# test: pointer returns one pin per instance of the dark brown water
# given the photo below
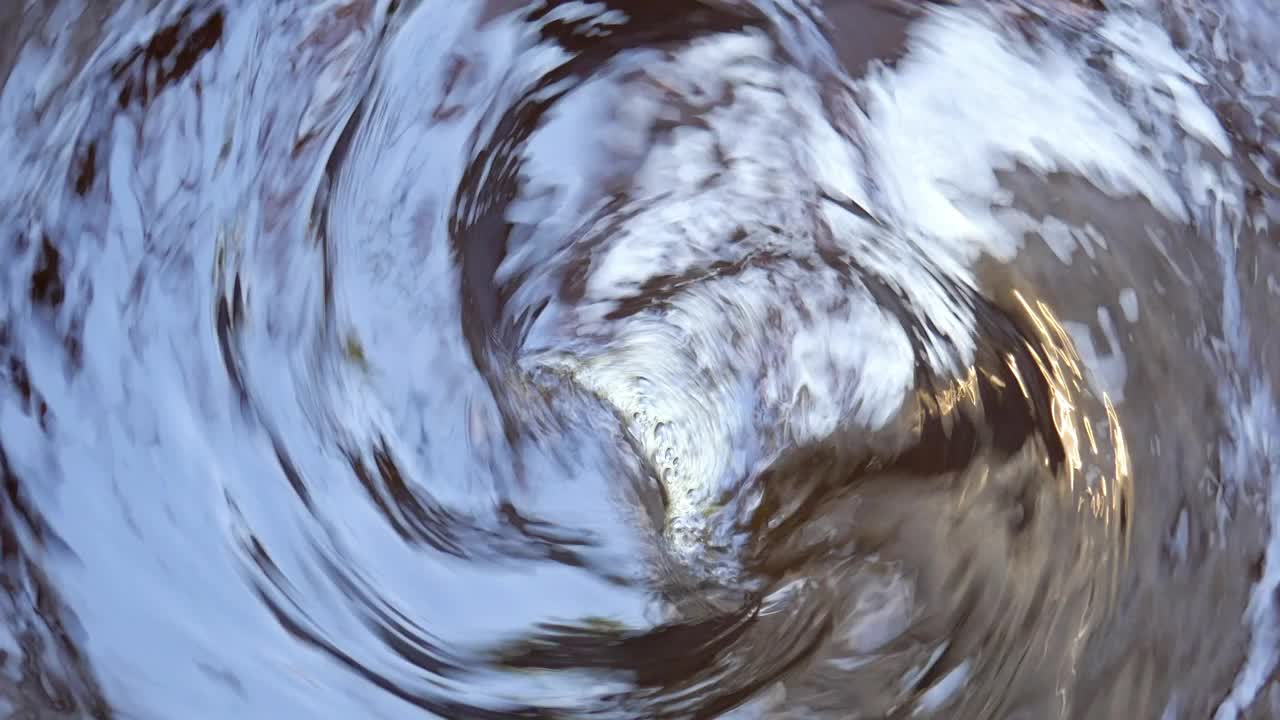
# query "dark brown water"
(737, 359)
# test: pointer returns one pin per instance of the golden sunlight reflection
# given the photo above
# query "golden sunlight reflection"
(1101, 473)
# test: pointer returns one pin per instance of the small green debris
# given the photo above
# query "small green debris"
(355, 352)
(602, 624)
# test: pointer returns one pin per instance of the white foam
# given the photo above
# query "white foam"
(944, 690)
(966, 102)
(1253, 423)
(1150, 59)
(870, 346)
(676, 374)
(1107, 370)
(1129, 304)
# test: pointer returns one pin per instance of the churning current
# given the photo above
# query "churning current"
(631, 359)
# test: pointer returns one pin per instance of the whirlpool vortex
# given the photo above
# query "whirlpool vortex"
(732, 358)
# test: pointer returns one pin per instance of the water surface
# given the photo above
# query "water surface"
(622, 359)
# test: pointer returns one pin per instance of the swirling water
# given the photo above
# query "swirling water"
(363, 358)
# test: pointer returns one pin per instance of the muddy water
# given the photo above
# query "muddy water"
(736, 359)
